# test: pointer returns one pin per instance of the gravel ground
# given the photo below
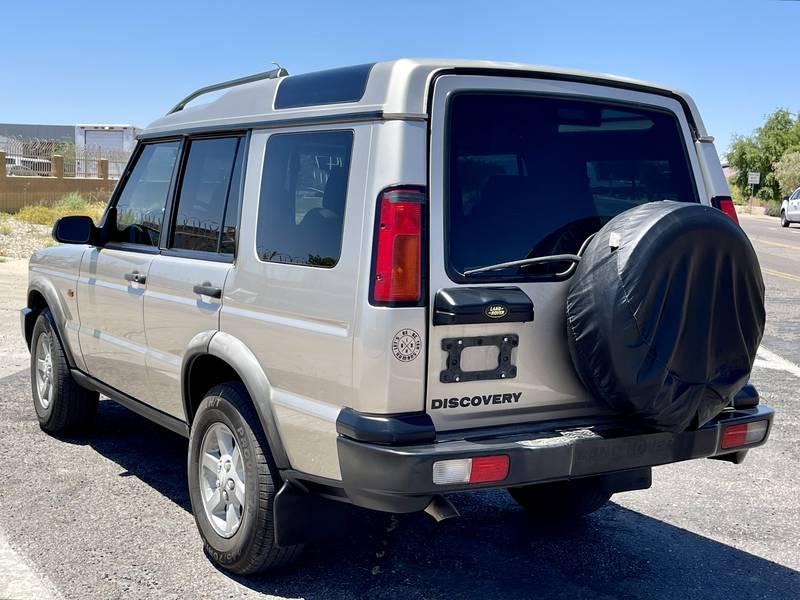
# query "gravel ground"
(19, 239)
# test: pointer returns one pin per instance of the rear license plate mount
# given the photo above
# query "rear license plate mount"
(505, 369)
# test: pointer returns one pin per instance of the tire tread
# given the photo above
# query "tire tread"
(73, 407)
(263, 555)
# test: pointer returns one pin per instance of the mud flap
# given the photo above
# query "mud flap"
(301, 517)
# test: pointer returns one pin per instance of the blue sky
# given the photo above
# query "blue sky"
(128, 62)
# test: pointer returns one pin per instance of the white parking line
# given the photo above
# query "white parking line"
(18, 580)
(767, 359)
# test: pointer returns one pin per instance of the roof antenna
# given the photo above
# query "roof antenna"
(282, 72)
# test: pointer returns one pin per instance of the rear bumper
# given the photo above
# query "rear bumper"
(397, 478)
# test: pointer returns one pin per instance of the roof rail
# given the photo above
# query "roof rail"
(273, 74)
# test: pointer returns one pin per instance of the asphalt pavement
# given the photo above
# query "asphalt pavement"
(107, 515)
(778, 250)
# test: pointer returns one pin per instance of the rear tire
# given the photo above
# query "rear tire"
(233, 498)
(784, 221)
(62, 406)
(562, 500)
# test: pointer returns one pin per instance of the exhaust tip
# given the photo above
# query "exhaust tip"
(441, 509)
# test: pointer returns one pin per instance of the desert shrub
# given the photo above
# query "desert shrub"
(71, 201)
(772, 209)
(37, 214)
(787, 171)
(736, 193)
(69, 204)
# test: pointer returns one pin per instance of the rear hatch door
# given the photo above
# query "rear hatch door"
(523, 168)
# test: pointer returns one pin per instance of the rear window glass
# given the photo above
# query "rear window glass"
(303, 197)
(532, 176)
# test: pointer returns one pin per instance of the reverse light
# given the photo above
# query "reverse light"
(743, 434)
(397, 276)
(725, 204)
(479, 469)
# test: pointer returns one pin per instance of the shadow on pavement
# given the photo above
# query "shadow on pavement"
(492, 551)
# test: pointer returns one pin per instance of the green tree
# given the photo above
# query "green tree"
(787, 172)
(760, 151)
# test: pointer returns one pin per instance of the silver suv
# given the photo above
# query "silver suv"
(384, 283)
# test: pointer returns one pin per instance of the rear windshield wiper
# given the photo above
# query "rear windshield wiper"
(573, 259)
(554, 258)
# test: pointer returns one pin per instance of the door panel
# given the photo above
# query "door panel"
(184, 292)
(113, 278)
(112, 326)
(173, 314)
(532, 177)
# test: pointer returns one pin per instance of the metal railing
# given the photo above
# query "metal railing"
(31, 157)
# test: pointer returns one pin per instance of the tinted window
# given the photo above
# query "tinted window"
(533, 176)
(207, 182)
(346, 84)
(140, 207)
(303, 191)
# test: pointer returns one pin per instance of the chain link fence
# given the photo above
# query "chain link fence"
(30, 157)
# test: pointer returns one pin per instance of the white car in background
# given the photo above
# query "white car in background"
(790, 209)
(25, 166)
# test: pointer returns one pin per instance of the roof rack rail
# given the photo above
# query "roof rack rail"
(273, 74)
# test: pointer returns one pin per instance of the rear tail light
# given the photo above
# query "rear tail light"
(725, 204)
(743, 434)
(479, 469)
(397, 271)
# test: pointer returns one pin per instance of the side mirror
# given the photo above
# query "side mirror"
(76, 229)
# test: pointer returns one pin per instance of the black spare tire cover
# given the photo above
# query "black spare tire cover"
(665, 313)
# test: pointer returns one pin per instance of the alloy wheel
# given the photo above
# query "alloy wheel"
(222, 480)
(44, 369)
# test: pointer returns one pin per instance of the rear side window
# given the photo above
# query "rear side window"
(303, 192)
(530, 176)
(141, 203)
(207, 205)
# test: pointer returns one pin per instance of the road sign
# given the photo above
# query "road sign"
(753, 178)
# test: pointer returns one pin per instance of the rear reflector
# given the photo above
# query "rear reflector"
(725, 204)
(489, 468)
(743, 434)
(479, 469)
(398, 249)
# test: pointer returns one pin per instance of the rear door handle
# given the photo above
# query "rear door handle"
(136, 277)
(206, 289)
